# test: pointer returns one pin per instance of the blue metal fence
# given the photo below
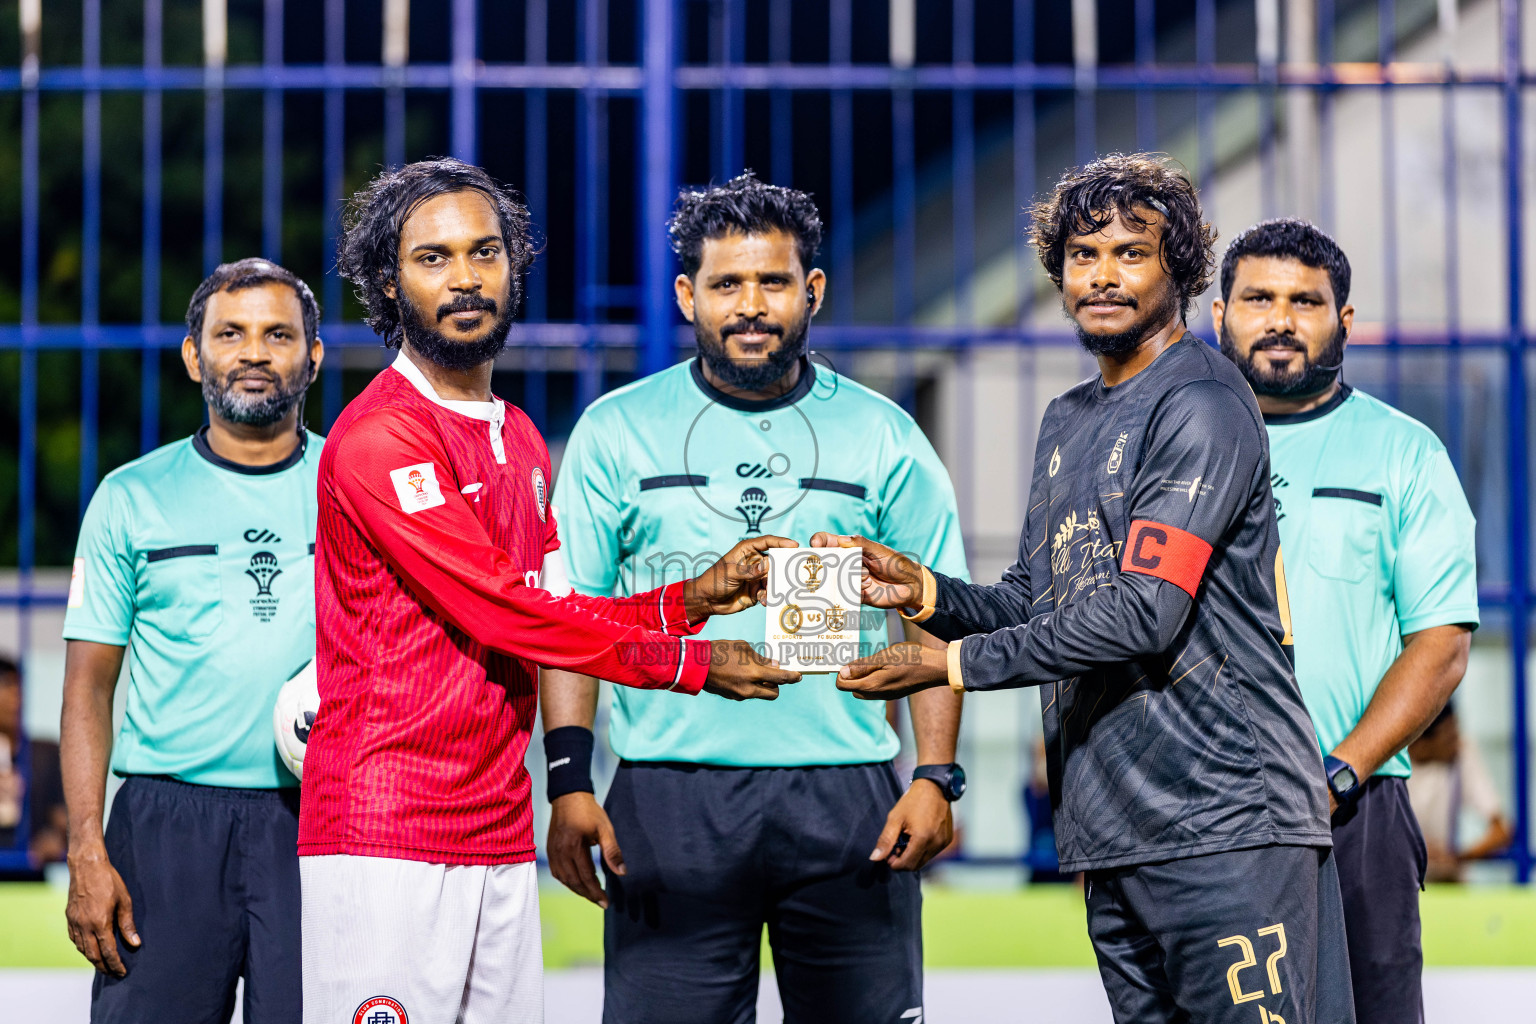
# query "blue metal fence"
(687, 49)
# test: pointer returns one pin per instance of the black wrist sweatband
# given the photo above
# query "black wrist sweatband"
(568, 752)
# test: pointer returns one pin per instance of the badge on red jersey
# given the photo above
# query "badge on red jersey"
(380, 1010)
(541, 493)
(416, 487)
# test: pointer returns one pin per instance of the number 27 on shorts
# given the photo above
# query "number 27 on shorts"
(1250, 959)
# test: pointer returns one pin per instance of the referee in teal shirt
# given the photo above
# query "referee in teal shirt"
(724, 817)
(1379, 555)
(196, 562)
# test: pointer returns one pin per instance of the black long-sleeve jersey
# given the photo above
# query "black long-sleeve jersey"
(1149, 600)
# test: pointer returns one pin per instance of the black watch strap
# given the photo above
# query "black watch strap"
(950, 778)
(1343, 781)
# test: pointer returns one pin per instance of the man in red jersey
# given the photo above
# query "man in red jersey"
(438, 591)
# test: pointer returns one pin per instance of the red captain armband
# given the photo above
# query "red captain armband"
(1167, 552)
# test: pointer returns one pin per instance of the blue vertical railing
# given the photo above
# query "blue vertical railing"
(333, 163)
(149, 253)
(90, 255)
(1519, 439)
(658, 114)
(272, 136)
(840, 49)
(1058, 111)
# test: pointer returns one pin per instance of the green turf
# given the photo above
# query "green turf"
(1040, 927)
(32, 927)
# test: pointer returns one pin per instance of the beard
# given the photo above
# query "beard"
(235, 406)
(1124, 342)
(753, 374)
(439, 347)
(1313, 378)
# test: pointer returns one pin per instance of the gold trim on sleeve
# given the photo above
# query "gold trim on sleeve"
(930, 595)
(952, 656)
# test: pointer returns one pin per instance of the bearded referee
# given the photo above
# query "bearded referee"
(196, 562)
(439, 590)
(725, 818)
(1383, 580)
(1148, 604)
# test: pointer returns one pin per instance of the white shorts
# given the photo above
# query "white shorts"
(389, 941)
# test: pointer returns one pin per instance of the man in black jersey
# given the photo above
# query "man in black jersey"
(1148, 603)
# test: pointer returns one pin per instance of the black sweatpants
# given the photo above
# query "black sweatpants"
(1242, 937)
(214, 878)
(714, 854)
(1381, 858)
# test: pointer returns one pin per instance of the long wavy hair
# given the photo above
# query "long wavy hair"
(1088, 198)
(369, 254)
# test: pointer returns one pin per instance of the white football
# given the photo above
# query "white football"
(292, 716)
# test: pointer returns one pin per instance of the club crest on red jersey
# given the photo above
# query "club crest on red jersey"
(380, 1010)
(541, 493)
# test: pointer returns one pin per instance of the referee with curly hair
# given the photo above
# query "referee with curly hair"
(724, 819)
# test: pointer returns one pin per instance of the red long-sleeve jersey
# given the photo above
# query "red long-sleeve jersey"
(434, 526)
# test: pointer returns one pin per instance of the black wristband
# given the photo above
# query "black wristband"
(568, 752)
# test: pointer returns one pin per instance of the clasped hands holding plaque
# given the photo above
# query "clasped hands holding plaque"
(814, 597)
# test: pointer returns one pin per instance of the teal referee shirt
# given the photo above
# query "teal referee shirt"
(1378, 543)
(663, 476)
(205, 570)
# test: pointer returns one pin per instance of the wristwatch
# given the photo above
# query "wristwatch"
(1342, 780)
(950, 778)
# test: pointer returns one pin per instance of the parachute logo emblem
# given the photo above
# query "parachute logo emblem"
(754, 505)
(263, 570)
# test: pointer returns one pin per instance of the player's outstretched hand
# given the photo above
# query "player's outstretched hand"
(734, 583)
(99, 906)
(896, 671)
(891, 579)
(577, 822)
(738, 672)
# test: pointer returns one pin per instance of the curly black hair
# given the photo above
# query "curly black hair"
(746, 205)
(369, 253)
(250, 273)
(1088, 198)
(1289, 238)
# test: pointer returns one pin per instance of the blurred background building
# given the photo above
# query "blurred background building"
(148, 140)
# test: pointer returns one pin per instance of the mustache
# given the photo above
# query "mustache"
(750, 327)
(250, 373)
(467, 304)
(1110, 296)
(1284, 341)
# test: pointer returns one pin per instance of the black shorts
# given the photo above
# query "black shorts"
(712, 855)
(214, 878)
(1244, 937)
(1381, 857)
